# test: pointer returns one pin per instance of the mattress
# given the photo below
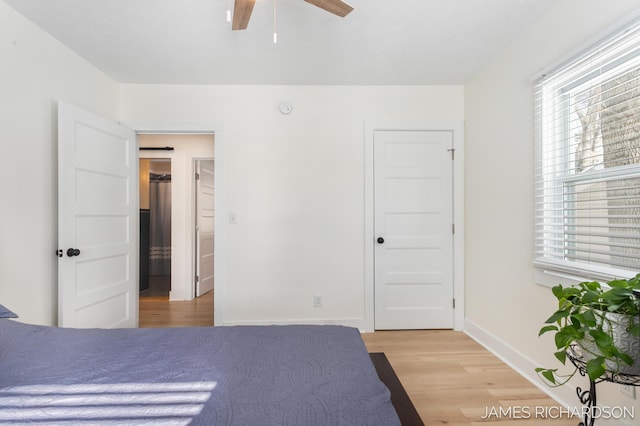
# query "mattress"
(241, 375)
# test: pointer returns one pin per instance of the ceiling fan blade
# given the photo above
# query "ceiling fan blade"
(337, 7)
(241, 13)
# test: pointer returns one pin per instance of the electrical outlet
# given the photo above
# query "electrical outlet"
(317, 301)
(233, 218)
(628, 390)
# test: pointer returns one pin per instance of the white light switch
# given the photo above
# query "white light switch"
(233, 218)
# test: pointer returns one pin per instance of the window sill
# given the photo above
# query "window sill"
(549, 274)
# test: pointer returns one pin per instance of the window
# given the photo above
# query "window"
(587, 177)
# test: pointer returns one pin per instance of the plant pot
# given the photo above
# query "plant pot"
(618, 325)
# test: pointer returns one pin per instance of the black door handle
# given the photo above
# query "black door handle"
(73, 252)
(380, 240)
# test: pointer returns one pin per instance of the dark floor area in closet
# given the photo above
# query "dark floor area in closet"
(159, 286)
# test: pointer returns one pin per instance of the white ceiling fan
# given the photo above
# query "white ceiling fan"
(242, 10)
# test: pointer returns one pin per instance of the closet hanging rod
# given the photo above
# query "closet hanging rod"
(153, 148)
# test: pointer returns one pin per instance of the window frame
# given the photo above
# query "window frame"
(556, 187)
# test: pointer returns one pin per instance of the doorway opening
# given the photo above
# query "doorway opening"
(179, 261)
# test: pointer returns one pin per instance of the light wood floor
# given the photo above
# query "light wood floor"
(450, 378)
(453, 380)
(157, 312)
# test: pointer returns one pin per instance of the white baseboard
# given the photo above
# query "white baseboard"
(565, 396)
(347, 322)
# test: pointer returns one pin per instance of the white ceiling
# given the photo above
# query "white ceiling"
(380, 42)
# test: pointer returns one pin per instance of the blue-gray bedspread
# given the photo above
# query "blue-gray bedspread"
(264, 375)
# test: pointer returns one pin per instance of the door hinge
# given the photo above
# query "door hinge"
(454, 303)
(197, 279)
(453, 228)
(197, 176)
(453, 153)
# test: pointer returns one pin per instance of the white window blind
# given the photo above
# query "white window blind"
(587, 167)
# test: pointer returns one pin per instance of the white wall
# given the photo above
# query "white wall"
(36, 72)
(504, 307)
(296, 184)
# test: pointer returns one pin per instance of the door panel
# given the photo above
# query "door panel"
(204, 226)
(413, 203)
(98, 215)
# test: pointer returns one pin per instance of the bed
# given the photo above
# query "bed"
(237, 375)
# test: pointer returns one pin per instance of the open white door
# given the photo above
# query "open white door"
(413, 206)
(204, 226)
(97, 221)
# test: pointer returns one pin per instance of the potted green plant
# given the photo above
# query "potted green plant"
(600, 323)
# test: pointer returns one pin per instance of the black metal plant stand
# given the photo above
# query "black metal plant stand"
(588, 397)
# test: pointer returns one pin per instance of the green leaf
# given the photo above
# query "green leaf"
(571, 292)
(591, 285)
(557, 291)
(590, 297)
(588, 318)
(634, 282)
(595, 368)
(548, 374)
(602, 339)
(614, 307)
(617, 283)
(546, 329)
(622, 357)
(621, 300)
(557, 315)
(567, 335)
(561, 356)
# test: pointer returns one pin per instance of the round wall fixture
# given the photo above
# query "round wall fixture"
(285, 107)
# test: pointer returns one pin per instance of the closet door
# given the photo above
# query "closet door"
(413, 191)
